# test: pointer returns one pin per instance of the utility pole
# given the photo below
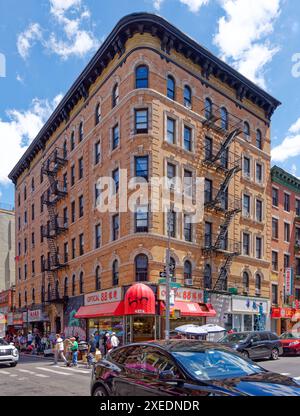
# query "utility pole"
(168, 291)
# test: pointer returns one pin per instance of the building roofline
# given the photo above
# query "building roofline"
(170, 38)
(285, 178)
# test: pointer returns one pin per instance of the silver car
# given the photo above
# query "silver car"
(8, 353)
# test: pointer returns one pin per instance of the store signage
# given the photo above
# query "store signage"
(18, 319)
(250, 305)
(288, 280)
(286, 313)
(104, 296)
(10, 318)
(183, 294)
(35, 316)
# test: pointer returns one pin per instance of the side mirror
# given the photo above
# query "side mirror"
(166, 375)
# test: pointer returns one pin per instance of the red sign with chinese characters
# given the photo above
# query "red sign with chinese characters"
(183, 294)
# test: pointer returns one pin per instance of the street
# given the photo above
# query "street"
(39, 377)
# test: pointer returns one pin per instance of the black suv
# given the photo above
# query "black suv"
(255, 345)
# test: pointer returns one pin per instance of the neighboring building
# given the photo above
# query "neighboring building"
(156, 103)
(285, 276)
(7, 247)
(6, 310)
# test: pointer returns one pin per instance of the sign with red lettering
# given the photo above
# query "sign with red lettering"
(183, 294)
(104, 296)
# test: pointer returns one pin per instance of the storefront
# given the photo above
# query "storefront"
(287, 317)
(36, 321)
(223, 317)
(2, 325)
(249, 314)
(6, 305)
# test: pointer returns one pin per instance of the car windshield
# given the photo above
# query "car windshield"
(213, 364)
(289, 335)
(2, 342)
(238, 337)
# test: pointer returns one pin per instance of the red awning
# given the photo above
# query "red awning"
(104, 309)
(139, 299)
(192, 308)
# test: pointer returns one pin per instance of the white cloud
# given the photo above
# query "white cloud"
(290, 146)
(17, 133)
(195, 5)
(70, 38)
(242, 33)
(27, 39)
(157, 4)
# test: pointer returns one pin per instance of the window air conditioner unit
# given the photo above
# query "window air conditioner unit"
(188, 282)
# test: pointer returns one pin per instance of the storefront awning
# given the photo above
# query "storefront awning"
(192, 308)
(104, 309)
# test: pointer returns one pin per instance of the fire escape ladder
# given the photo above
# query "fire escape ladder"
(224, 229)
(225, 145)
(221, 282)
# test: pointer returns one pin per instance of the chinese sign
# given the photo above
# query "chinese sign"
(182, 294)
(288, 279)
(104, 296)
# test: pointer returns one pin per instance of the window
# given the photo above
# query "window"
(72, 141)
(287, 202)
(287, 232)
(32, 185)
(97, 114)
(208, 234)
(19, 248)
(65, 217)
(32, 239)
(257, 284)
(246, 131)
(187, 228)
(25, 217)
(97, 279)
(187, 270)
(141, 121)
(141, 220)
(65, 181)
(246, 167)
(80, 168)
(275, 294)
(246, 206)
(258, 139)
(172, 267)
(171, 225)
(73, 285)
(81, 244)
(73, 211)
(141, 76)
(187, 97)
(245, 282)
(275, 197)
(32, 212)
(207, 277)
(73, 248)
(297, 207)
(208, 191)
(141, 167)
(97, 195)
(188, 182)
(115, 273)
(80, 201)
(25, 297)
(286, 261)
(33, 267)
(19, 273)
(246, 244)
(115, 176)
(65, 149)
(171, 88)
(115, 137)
(97, 152)
(259, 210)
(25, 193)
(81, 283)
(224, 118)
(297, 267)
(72, 175)
(141, 268)
(41, 234)
(97, 236)
(259, 171)
(297, 293)
(66, 252)
(171, 129)
(25, 245)
(171, 175)
(25, 271)
(19, 200)
(187, 142)
(208, 111)
(258, 246)
(66, 289)
(115, 96)
(80, 132)
(275, 261)
(275, 228)
(208, 148)
(115, 227)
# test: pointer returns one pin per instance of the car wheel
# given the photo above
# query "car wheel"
(13, 364)
(274, 354)
(245, 354)
(100, 391)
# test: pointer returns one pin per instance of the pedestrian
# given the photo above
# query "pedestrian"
(77, 337)
(91, 351)
(29, 338)
(105, 340)
(59, 350)
(114, 340)
(68, 352)
(37, 340)
(74, 349)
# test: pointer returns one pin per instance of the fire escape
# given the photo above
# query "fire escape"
(226, 163)
(56, 226)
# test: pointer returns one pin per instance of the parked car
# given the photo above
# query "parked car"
(290, 343)
(185, 368)
(255, 345)
(8, 353)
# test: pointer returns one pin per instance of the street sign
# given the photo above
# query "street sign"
(172, 284)
(162, 274)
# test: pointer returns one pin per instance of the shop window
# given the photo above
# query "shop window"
(115, 273)
(207, 277)
(141, 268)
(141, 77)
(98, 279)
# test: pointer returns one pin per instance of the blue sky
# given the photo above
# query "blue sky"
(47, 43)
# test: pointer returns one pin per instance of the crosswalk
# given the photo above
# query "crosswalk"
(43, 372)
(290, 375)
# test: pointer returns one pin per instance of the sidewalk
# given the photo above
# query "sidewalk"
(49, 358)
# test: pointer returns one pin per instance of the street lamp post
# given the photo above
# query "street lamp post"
(168, 291)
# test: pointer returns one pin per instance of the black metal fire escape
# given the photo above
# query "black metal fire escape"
(56, 192)
(229, 164)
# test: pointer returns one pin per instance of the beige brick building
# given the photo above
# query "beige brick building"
(153, 102)
(7, 247)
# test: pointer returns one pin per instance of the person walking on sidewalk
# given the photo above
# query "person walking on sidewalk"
(74, 349)
(59, 350)
(114, 341)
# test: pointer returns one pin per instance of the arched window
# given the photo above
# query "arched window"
(141, 76)
(80, 131)
(33, 296)
(141, 268)
(49, 291)
(245, 282)
(43, 294)
(66, 288)
(208, 110)
(97, 277)
(187, 97)
(97, 114)
(115, 95)
(258, 139)
(25, 193)
(81, 283)
(207, 277)
(172, 266)
(32, 184)
(19, 300)
(257, 284)
(73, 285)
(187, 270)
(115, 273)
(171, 88)
(246, 130)
(57, 289)
(25, 297)
(224, 118)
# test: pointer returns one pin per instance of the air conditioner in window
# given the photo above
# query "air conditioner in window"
(188, 282)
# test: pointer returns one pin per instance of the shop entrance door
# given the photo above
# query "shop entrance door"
(58, 325)
(143, 328)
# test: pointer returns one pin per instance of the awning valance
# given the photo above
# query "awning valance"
(104, 309)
